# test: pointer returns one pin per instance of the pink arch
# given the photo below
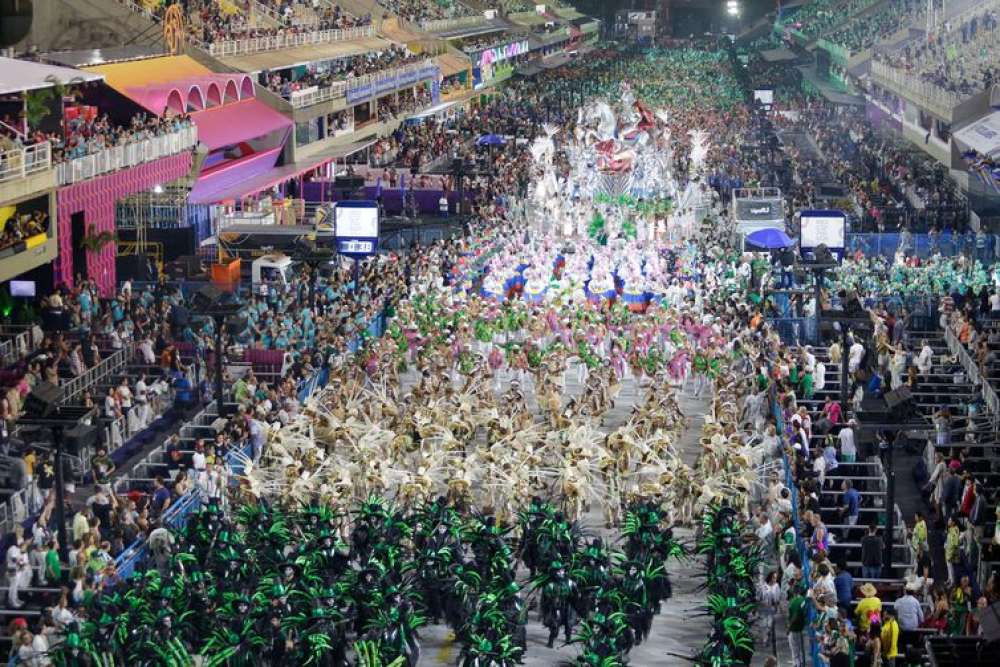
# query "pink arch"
(175, 102)
(195, 99)
(214, 95)
(246, 88)
(232, 92)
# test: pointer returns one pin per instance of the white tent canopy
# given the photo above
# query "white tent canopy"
(982, 136)
(17, 76)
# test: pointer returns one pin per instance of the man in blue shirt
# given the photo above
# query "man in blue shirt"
(844, 585)
(161, 496)
(852, 503)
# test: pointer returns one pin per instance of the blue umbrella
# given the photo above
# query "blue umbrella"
(770, 239)
(490, 140)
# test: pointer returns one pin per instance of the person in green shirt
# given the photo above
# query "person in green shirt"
(808, 385)
(53, 568)
(797, 613)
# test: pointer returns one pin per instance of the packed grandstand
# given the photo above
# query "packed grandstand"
(428, 332)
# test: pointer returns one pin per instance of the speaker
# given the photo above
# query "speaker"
(42, 400)
(185, 267)
(206, 297)
(989, 622)
(80, 437)
(899, 399)
(134, 267)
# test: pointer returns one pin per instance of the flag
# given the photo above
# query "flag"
(378, 187)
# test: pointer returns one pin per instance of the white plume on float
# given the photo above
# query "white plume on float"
(617, 150)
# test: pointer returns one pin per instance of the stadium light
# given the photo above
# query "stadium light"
(733, 9)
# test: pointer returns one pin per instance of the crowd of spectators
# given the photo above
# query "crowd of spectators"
(416, 11)
(816, 17)
(83, 135)
(209, 21)
(323, 75)
(863, 32)
(19, 227)
(941, 592)
(473, 44)
(962, 59)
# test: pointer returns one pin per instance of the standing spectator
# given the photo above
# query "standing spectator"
(909, 610)
(103, 467)
(851, 509)
(871, 553)
(952, 549)
(848, 448)
(770, 599)
(869, 609)
(796, 625)
(844, 583)
(161, 497)
(889, 637)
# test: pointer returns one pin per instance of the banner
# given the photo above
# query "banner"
(368, 87)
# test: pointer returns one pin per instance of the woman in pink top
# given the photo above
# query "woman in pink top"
(832, 411)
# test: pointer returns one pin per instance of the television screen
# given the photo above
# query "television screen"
(24, 288)
(822, 227)
(764, 95)
(357, 221)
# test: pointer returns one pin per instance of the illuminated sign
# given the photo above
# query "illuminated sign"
(501, 53)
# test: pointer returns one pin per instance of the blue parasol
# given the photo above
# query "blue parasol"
(490, 140)
(770, 239)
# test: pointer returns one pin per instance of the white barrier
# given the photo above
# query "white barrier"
(126, 156)
(238, 47)
(20, 162)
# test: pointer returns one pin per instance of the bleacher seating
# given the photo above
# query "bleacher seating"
(863, 32)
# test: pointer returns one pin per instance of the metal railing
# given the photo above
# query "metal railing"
(96, 373)
(21, 162)
(314, 95)
(126, 156)
(972, 370)
(913, 87)
(248, 45)
(16, 346)
(442, 25)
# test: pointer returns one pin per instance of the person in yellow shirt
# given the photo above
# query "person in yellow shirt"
(889, 637)
(868, 605)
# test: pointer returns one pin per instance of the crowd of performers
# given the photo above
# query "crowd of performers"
(516, 487)
(492, 429)
(275, 586)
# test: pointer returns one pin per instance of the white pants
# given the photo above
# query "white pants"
(795, 643)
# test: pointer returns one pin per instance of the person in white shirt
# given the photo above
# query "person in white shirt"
(995, 302)
(854, 356)
(13, 560)
(210, 483)
(116, 339)
(819, 377)
(125, 395)
(848, 449)
(146, 349)
(198, 462)
(111, 410)
(809, 359)
(925, 360)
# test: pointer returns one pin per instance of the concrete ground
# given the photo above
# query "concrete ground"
(681, 628)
